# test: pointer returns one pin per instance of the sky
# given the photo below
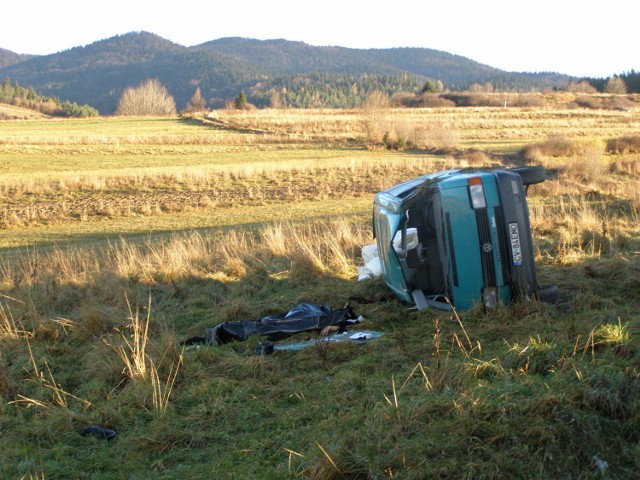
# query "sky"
(574, 37)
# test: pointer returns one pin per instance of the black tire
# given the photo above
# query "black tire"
(530, 175)
(548, 294)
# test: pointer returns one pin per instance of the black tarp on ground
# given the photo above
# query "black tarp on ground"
(302, 318)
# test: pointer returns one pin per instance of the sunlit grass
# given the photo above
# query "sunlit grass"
(245, 217)
(101, 130)
(70, 171)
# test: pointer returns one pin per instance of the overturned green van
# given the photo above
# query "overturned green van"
(458, 238)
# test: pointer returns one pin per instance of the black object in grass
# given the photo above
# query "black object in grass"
(99, 432)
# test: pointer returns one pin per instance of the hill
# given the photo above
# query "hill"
(11, 112)
(300, 75)
(297, 57)
(8, 57)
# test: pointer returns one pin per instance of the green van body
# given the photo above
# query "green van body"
(461, 237)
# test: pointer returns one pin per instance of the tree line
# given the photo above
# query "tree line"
(15, 94)
(627, 82)
(331, 90)
(315, 90)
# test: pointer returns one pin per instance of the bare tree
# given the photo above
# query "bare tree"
(375, 110)
(616, 86)
(274, 99)
(197, 103)
(147, 99)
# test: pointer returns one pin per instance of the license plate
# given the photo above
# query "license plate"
(516, 249)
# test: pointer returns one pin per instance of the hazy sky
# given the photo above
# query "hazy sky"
(566, 36)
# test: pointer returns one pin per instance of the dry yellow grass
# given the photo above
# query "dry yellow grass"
(471, 124)
(11, 112)
(100, 170)
(313, 246)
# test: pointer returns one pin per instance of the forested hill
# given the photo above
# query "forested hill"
(8, 58)
(291, 73)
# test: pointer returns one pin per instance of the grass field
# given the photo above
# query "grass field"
(121, 238)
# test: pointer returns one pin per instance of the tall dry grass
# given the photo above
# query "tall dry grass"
(595, 207)
(320, 245)
(624, 145)
(132, 348)
(9, 326)
(626, 166)
(585, 167)
(577, 228)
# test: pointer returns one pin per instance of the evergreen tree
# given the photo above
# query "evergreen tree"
(241, 101)
(19, 91)
(632, 80)
(6, 90)
(429, 87)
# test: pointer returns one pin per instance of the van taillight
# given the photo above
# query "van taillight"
(476, 192)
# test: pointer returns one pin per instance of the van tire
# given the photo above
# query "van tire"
(530, 175)
(548, 294)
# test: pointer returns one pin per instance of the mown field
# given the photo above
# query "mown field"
(122, 237)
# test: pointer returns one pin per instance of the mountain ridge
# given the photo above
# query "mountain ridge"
(7, 57)
(97, 73)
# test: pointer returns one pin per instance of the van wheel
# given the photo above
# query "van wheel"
(530, 175)
(548, 294)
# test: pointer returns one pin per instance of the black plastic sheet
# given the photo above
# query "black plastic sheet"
(302, 318)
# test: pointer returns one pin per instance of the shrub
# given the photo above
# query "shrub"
(430, 100)
(622, 102)
(616, 85)
(533, 100)
(475, 99)
(624, 145)
(240, 101)
(403, 99)
(398, 136)
(423, 100)
(555, 146)
(590, 163)
(629, 166)
(581, 87)
(587, 101)
(436, 135)
(72, 109)
(609, 102)
(196, 104)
